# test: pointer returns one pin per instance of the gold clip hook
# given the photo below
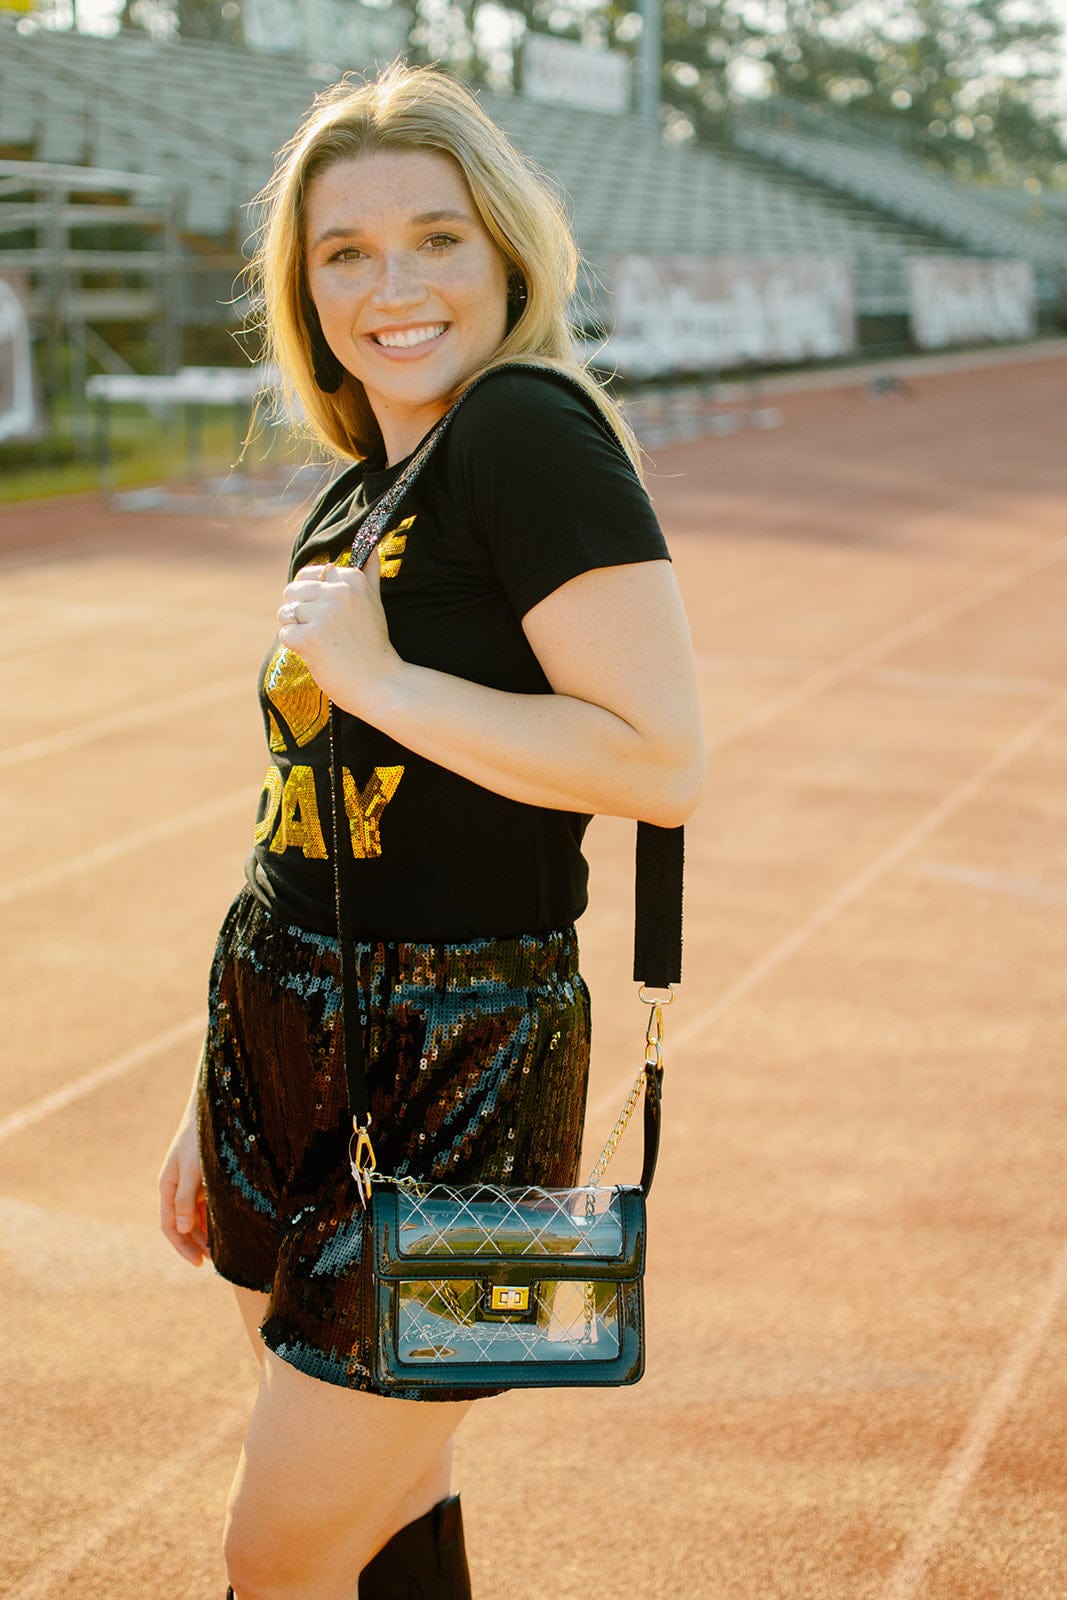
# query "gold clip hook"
(654, 1034)
(362, 1159)
(654, 1037)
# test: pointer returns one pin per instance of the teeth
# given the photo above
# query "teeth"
(407, 337)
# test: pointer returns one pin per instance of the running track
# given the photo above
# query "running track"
(859, 1253)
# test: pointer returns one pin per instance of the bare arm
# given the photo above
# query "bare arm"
(620, 734)
(182, 1207)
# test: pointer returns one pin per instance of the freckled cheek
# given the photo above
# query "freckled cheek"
(340, 319)
(479, 298)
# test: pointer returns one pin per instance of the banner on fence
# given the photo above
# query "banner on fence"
(560, 72)
(336, 32)
(695, 314)
(956, 301)
(18, 412)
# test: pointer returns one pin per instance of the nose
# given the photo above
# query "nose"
(399, 280)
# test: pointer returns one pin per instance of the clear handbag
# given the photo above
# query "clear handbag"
(486, 1285)
(489, 1287)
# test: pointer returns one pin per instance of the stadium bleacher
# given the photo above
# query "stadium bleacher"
(896, 182)
(206, 120)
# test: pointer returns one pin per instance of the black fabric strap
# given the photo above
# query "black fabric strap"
(658, 873)
(352, 1021)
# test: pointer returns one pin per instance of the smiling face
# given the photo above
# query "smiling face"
(410, 287)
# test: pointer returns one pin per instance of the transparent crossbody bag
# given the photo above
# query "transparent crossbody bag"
(483, 1286)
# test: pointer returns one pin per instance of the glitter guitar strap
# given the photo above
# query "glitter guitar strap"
(659, 866)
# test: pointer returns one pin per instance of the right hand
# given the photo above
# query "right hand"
(182, 1204)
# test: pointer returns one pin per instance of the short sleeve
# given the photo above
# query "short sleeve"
(547, 485)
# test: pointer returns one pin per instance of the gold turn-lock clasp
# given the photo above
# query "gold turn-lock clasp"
(509, 1297)
(362, 1159)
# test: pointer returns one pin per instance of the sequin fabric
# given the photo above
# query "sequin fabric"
(478, 1062)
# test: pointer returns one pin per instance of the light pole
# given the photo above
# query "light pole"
(651, 60)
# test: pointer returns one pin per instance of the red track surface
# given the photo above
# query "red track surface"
(859, 1248)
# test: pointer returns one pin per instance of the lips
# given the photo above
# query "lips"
(408, 338)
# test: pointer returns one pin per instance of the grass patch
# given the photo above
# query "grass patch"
(143, 448)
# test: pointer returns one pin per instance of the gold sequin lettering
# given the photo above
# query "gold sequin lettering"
(298, 826)
(365, 806)
(275, 739)
(391, 550)
(272, 788)
(295, 695)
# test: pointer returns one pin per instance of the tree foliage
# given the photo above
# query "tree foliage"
(214, 21)
(974, 79)
(972, 82)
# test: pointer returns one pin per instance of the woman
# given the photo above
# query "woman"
(514, 658)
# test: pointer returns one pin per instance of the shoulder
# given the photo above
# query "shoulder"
(330, 507)
(521, 406)
(530, 431)
(539, 476)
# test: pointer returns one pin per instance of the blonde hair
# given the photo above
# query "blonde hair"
(415, 108)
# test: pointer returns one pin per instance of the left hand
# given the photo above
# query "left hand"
(338, 627)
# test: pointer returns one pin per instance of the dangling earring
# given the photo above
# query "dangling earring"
(329, 372)
(516, 297)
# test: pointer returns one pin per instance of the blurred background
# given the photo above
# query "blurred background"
(825, 255)
(755, 184)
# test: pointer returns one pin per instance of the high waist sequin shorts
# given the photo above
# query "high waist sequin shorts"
(478, 1063)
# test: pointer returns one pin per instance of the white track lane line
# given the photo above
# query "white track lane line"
(119, 721)
(917, 628)
(905, 633)
(170, 1473)
(679, 1035)
(966, 1463)
(696, 1025)
(192, 1029)
(63, 871)
(966, 1460)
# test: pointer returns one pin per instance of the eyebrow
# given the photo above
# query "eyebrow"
(422, 220)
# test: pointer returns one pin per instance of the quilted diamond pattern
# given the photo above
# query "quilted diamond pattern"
(487, 1220)
(439, 1324)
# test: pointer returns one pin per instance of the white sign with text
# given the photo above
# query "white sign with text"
(956, 301)
(560, 72)
(18, 411)
(694, 314)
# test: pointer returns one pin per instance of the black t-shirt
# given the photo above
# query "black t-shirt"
(528, 488)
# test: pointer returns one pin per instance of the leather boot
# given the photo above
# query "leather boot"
(424, 1561)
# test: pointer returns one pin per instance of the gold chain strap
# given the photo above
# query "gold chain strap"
(653, 1059)
(361, 1151)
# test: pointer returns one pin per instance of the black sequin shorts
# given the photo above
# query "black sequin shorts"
(478, 1063)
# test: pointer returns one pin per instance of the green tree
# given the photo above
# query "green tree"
(971, 81)
(975, 78)
(217, 21)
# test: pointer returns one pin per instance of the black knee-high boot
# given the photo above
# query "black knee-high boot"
(424, 1561)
